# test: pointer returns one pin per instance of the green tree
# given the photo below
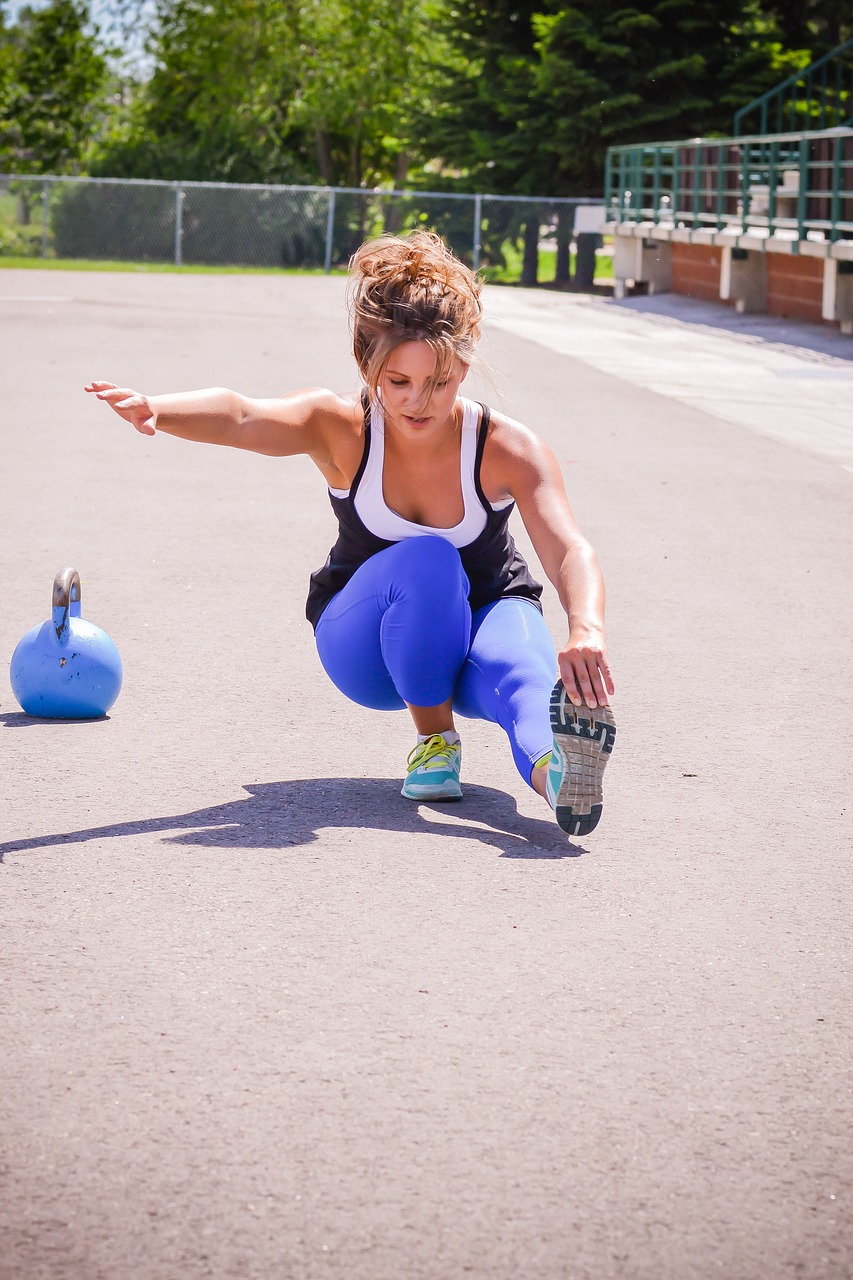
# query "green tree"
(544, 88)
(216, 106)
(52, 75)
(480, 125)
(816, 25)
(7, 56)
(676, 68)
(254, 90)
(362, 69)
(511, 96)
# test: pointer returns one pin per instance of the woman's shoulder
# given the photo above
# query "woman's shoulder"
(343, 407)
(513, 456)
(509, 437)
(325, 415)
(339, 431)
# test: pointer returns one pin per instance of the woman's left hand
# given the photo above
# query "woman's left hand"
(584, 670)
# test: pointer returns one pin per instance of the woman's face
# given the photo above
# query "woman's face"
(406, 401)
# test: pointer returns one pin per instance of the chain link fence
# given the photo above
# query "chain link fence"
(509, 238)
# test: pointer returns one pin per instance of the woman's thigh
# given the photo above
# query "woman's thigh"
(398, 632)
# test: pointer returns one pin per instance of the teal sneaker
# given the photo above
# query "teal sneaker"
(583, 741)
(433, 770)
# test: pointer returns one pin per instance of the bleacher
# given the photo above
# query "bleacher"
(762, 220)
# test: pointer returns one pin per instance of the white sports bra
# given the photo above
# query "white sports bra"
(385, 523)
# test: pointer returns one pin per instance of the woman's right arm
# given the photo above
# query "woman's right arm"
(299, 423)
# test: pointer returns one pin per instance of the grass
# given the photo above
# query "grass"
(508, 274)
(511, 272)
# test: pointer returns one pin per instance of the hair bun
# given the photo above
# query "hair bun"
(404, 288)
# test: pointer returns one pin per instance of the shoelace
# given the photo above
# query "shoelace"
(434, 753)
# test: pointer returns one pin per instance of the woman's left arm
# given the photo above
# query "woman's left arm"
(536, 484)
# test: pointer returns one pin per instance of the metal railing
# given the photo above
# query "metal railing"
(818, 97)
(794, 185)
(252, 225)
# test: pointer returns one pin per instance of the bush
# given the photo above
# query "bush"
(20, 242)
(99, 220)
(20, 220)
(220, 226)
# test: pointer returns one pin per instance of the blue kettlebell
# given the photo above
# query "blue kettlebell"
(66, 669)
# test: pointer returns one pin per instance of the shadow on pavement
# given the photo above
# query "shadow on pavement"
(280, 815)
(21, 720)
(761, 327)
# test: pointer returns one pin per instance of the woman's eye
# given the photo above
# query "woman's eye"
(397, 384)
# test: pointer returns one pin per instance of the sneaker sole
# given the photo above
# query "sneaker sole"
(584, 737)
(447, 791)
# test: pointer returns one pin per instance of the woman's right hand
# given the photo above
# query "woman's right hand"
(130, 405)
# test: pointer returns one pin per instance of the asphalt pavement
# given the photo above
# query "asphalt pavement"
(264, 1019)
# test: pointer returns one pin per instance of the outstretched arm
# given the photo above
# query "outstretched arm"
(536, 483)
(290, 425)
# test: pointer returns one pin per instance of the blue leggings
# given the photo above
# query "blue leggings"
(402, 631)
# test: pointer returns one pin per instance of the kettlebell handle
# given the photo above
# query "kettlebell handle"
(66, 600)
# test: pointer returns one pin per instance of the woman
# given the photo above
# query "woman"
(424, 601)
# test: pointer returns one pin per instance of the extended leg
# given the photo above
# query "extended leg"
(559, 749)
(508, 679)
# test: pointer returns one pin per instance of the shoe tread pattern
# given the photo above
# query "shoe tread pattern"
(584, 737)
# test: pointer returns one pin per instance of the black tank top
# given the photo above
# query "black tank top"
(494, 567)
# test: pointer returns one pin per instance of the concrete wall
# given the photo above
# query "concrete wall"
(815, 283)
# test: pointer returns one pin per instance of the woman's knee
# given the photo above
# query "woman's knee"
(427, 575)
(430, 558)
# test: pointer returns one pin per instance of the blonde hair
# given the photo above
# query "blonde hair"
(407, 289)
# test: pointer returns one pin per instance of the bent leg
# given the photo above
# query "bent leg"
(398, 632)
(508, 678)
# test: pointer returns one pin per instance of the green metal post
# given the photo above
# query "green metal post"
(720, 174)
(835, 208)
(802, 194)
(619, 185)
(656, 186)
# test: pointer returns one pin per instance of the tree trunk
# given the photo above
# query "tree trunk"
(530, 260)
(401, 170)
(394, 216)
(565, 219)
(324, 156)
(355, 161)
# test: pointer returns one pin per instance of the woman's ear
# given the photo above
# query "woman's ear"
(465, 369)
